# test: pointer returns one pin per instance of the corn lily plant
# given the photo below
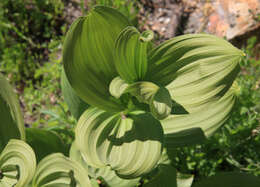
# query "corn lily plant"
(134, 102)
(143, 98)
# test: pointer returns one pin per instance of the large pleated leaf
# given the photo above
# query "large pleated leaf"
(230, 179)
(131, 54)
(197, 68)
(106, 174)
(181, 129)
(56, 170)
(17, 164)
(11, 120)
(44, 142)
(88, 55)
(76, 105)
(131, 144)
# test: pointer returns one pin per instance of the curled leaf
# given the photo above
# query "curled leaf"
(17, 164)
(117, 87)
(161, 104)
(143, 91)
(131, 54)
(106, 174)
(57, 170)
(121, 141)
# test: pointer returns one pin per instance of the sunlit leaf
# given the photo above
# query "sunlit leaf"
(130, 143)
(106, 174)
(161, 104)
(56, 170)
(143, 91)
(117, 87)
(131, 54)
(184, 180)
(197, 70)
(88, 55)
(177, 128)
(17, 164)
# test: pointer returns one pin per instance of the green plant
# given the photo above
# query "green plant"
(128, 8)
(233, 147)
(140, 104)
(184, 83)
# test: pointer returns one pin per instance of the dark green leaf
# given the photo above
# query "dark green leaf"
(11, 124)
(88, 55)
(76, 105)
(131, 54)
(44, 142)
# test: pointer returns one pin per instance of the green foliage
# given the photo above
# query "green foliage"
(129, 8)
(27, 28)
(142, 100)
(17, 164)
(233, 147)
(196, 71)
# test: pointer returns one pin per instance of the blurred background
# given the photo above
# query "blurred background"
(31, 37)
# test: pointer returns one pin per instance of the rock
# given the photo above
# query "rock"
(225, 18)
(235, 20)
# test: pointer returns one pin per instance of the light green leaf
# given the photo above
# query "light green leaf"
(184, 180)
(106, 174)
(230, 179)
(158, 98)
(197, 68)
(76, 105)
(44, 142)
(117, 87)
(208, 119)
(161, 104)
(143, 91)
(165, 177)
(131, 54)
(56, 170)
(201, 69)
(11, 124)
(17, 164)
(88, 55)
(122, 141)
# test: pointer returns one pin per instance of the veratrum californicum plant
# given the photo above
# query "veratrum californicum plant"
(143, 98)
(134, 102)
